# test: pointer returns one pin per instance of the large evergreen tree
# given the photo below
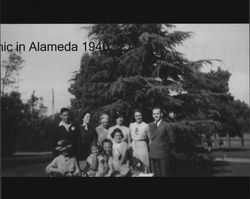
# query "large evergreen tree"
(142, 69)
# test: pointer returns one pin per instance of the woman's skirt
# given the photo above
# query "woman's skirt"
(140, 151)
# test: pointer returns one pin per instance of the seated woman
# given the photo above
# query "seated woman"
(95, 163)
(64, 165)
(120, 148)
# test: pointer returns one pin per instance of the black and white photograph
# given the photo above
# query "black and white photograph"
(125, 100)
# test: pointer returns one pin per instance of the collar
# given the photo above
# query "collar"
(119, 126)
(62, 123)
(158, 122)
(86, 126)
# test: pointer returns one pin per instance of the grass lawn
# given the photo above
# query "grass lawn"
(231, 169)
(232, 152)
(32, 170)
(25, 165)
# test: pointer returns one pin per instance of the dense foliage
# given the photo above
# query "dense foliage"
(142, 69)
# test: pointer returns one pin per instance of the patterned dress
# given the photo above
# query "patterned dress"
(139, 136)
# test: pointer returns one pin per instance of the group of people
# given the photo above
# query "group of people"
(118, 151)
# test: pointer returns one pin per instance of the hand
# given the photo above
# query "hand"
(67, 174)
(62, 171)
(91, 173)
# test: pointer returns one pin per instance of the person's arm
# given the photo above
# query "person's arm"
(100, 170)
(124, 153)
(91, 161)
(111, 167)
(148, 134)
(109, 134)
(52, 167)
(77, 168)
(129, 136)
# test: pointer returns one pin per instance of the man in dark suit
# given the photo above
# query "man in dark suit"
(66, 131)
(161, 141)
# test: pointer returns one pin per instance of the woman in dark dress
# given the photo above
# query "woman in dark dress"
(87, 137)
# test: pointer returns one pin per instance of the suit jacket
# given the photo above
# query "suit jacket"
(161, 140)
(62, 134)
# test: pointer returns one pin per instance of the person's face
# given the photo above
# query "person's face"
(105, 122)
(107, 147)
(157, 114)
(118, 137)
(94, 150)
(138, 117)
(119, 120)
(65, 116)
(87, 118)
(65, 153)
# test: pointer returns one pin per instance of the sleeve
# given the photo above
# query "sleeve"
(128, 136)
(77, 168)
(111, 167)
(89, 160)
(109, 133)
(148, 133)
(124, 153)
(100, 171)
(130, 128)
(52, 166)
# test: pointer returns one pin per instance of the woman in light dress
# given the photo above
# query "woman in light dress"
(102, 129)
(139, 133)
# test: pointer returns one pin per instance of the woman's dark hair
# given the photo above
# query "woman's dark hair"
(85, 113)
(139, 111)
(116, 131)
(64, 110)
(118, 114)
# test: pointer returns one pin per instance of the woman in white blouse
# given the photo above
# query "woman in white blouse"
(139, 133)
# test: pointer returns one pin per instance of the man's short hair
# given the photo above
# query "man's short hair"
(64, 110)
(106, 141)
(157, 107)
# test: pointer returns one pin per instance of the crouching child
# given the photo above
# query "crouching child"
(64, 165)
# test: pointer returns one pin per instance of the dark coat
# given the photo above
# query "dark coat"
(161, 140)
(87, 137)
(62, 134)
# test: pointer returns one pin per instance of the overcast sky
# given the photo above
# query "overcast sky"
(46, 70)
